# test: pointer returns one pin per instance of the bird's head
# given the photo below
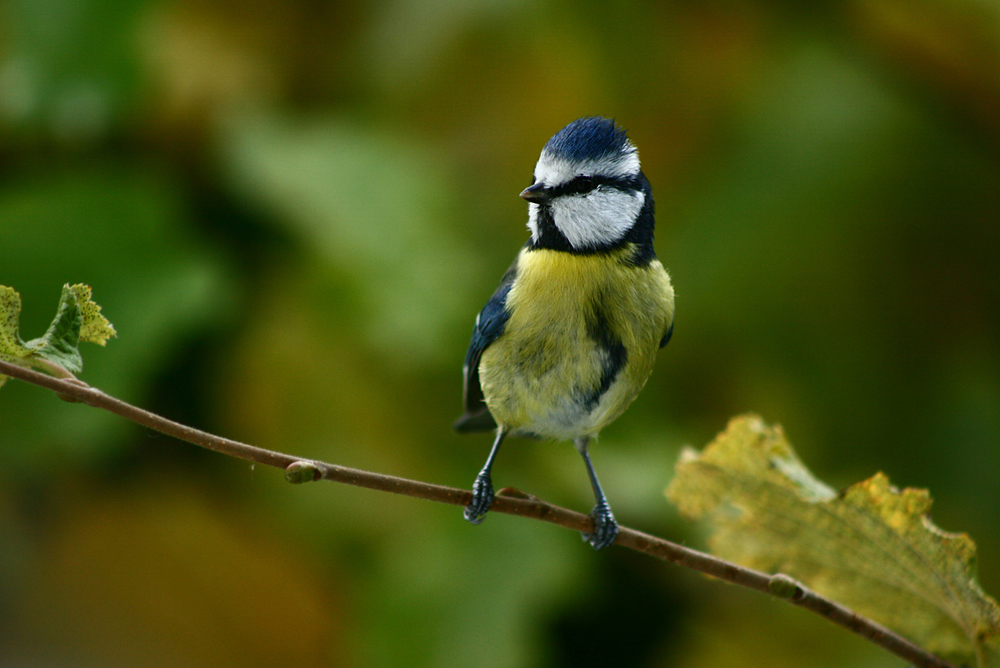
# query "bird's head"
(588, 192)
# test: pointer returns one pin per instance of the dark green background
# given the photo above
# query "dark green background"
(293, 210)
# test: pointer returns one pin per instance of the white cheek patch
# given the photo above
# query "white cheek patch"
(554, 171)
(599, 218)
(533, 221)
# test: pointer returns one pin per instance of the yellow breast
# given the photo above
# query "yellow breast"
(573, 320)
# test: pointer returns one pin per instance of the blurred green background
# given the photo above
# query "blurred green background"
(292, 211)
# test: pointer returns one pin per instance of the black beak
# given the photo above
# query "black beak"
(536, 193)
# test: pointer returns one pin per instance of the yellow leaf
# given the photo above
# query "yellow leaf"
(872, 547)
(11, 347)
(95, 327)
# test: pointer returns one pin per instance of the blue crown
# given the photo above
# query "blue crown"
(590, 138)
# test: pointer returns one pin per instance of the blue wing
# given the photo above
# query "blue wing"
(666, 337)
(489, 326)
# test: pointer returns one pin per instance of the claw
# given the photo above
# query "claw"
(482, 497)
(605, 527)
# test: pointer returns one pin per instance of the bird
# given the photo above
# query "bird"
(570, 335)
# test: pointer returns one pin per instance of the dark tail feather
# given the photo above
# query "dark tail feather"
(481, 420)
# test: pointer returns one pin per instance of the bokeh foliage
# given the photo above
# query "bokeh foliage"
(291, 211)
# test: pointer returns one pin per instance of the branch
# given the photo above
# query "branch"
(507, 501)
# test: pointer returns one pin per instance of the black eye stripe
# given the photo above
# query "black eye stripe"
(587, 183)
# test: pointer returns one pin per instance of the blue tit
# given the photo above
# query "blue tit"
(569, 338)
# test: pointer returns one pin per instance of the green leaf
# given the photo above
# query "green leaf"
(77, 319)
(872, 547)
(59, 343)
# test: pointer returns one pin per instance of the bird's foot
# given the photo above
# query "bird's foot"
(482, 497)
(605, 527)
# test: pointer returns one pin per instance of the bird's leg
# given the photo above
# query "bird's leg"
(482, 488)
(605, 526)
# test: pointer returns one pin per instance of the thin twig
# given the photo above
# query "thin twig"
(779, 585)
